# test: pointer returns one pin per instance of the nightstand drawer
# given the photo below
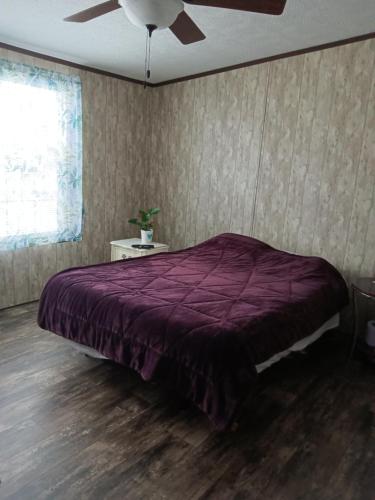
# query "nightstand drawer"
(119, 253)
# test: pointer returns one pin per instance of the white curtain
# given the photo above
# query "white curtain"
(40, 156)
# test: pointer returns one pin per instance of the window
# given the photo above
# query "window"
(40, 156)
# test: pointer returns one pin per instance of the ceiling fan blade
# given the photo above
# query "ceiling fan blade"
(275, 7)
(92, 12)
(186, 30)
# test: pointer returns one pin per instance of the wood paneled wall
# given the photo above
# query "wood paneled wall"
(283, 151)
(114, 121)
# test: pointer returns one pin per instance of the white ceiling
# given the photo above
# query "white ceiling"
(111, 43)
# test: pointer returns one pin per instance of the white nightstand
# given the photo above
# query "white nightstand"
(122, 249)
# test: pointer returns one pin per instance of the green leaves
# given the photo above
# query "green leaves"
(145, 221)
(145, 216)
(154, 211)
(133, 221)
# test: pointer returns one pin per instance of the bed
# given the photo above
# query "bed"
(209, 317)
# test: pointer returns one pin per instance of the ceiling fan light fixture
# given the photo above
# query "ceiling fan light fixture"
(160, 13)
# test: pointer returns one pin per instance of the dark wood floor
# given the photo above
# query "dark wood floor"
(72, 427)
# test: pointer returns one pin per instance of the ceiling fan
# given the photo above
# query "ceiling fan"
(161, 14)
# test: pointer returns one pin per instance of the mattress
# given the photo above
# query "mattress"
(204, 317)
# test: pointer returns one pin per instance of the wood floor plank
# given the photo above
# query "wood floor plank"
(77, 428)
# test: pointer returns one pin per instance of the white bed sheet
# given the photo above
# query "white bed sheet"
(301, 344)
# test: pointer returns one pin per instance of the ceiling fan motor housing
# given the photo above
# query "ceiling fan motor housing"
(160, 13)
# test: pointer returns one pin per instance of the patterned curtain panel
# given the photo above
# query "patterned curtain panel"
(40, 156)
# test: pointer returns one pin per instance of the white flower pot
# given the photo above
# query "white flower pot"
(146, 236)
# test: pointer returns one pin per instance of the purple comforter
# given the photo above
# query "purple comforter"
(203, 317)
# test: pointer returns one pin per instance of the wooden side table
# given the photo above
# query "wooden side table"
(122, 249)
(362, 287)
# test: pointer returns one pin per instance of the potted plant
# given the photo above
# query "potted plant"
(145, 224)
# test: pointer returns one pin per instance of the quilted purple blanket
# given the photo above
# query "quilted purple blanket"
(203, 317)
